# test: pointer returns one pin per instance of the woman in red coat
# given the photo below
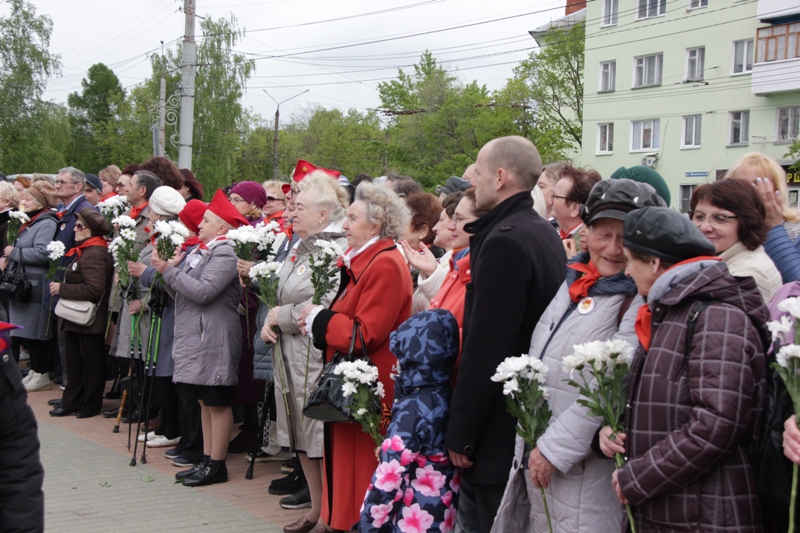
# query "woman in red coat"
(376, 292)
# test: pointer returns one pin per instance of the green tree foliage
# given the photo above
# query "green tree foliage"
(94, 114)
(30, 129)
(794, 153)
(551, 83)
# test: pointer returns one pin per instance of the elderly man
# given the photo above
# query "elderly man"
(469, 174)
(517, 265)
(568, 198)
(70, 183)
(208, 336)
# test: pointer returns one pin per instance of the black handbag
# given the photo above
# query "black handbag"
(15, 284)
(327, 401)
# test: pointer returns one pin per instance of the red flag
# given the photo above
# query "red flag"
(304, 168)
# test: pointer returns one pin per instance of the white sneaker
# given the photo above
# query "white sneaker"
(38, 382)
(150, 436)
(160, 441)
(29, 377)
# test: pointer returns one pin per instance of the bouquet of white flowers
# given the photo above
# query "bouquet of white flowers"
(607, 363)
(56, 251)
(15, 221)
(113, 207)
(123, 247)
(171, 235)
(270, 238)
(523, 380)
(361, 382)
(324, 268)
(788, 367)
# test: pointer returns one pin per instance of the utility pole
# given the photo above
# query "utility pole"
(162, 114)
(277, 127)
(386, 152)
(188, 71)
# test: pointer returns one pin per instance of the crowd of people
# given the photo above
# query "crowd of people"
(437, 290)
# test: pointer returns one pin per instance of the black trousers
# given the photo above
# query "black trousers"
(21, 471)
(191, 443)
(86, 371)
(38, 350)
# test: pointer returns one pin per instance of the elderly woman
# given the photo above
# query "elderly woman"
(769, 179)
(165, 204)
(276, 201)
(418, 233)
(730, 214)
(596, 302)
(9, 199)
(321, 207)
(208, 336)
(694, 399)
(30, 252)
(375, 293)
(88, 278)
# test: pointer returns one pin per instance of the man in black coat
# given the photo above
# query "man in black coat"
(21, 471)
(517, 263)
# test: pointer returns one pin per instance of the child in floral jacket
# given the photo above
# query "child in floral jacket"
(415, 487)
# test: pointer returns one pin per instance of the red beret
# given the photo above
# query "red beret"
(192, 214)
(222, 207)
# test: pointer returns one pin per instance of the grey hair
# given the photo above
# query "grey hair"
(330, 195)
(8, 192)
(76, 175)
(384, 207)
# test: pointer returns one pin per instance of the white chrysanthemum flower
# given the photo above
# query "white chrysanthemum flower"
(124, 221)
(510, 387)
(361, 412)
(790, 351)
(619, 351)
(56, 249)
(162, 227)
(19, 215)
(380, 392)
(780, 327)
(127, 234)
(791, 306)
(178, 228)
(176, 239)
(349, 388)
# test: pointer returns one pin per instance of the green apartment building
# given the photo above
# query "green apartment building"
(689, 86)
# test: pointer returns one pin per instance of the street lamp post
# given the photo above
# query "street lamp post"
(277, 126)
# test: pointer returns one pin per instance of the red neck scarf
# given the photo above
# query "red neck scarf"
(136, 211)
(204, 246)
(107, 196)
(644, 318)
(580, 287)
(94, 241)
(34, 217)
(566, 235)
(191, 241)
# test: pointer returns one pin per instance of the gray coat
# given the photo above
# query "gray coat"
(125, 324)
(262, 356)
(165, 365)
(208, 332)
(294, 293)
(33, 315)
(580, 497)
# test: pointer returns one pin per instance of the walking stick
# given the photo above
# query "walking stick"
(142, 396)
(262, 424)
(122, 405)
(134, 341)
(156, 307)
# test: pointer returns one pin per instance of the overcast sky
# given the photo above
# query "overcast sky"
(123, 34)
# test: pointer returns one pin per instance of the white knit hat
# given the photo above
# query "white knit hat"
(166, 201)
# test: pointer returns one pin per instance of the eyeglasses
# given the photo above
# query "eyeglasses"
(65, 182)
(295, 190)
(271, 199)
(458, 219)
(79, 226)
(237, 200)
(717, 220)
(554, 196)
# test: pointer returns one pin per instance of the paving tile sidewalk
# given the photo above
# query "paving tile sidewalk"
(89, 485)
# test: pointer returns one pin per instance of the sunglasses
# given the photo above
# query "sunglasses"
(78, 225)
(271, 199)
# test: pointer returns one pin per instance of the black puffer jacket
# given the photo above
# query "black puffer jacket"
(692, 416)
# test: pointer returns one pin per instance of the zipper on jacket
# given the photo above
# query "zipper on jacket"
(202, 329)
(570, 309)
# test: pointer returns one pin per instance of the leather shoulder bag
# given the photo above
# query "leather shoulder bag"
(15, 284)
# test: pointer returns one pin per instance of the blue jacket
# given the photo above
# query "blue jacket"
(415, 480)
(784, 253)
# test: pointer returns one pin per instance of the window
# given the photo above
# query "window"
(778, 42)
(651, 8)
(788, 123)
(691, 131)
(694, 4)
(739, 127)
(686, 197)
(605, 138)
(695, 63)
(647, 70)
(645, 134)
(610, 12)
(742, 56)
(608, 74)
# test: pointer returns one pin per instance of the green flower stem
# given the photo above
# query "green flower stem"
(546, 510)
(281, 373)
(620, 463)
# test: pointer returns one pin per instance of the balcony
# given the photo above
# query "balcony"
(777, 60)
(772, 9)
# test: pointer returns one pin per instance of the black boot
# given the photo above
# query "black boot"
(214, 472)
(198, 466)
